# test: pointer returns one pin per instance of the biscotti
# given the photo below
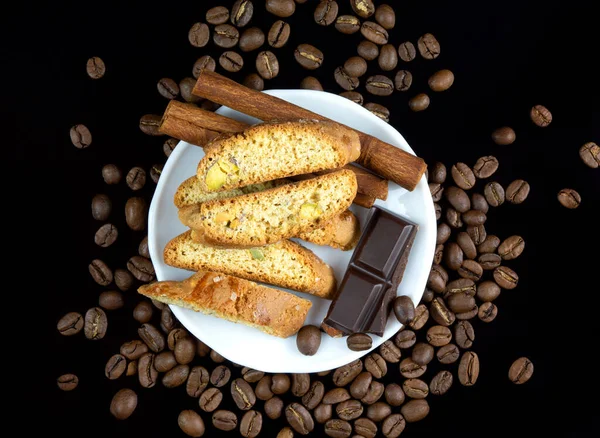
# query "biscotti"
(273, 311)
(270, 151)
(269, 216)
(285, 264)
(342, 232)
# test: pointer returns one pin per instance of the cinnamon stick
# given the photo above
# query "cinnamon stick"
(383, 158)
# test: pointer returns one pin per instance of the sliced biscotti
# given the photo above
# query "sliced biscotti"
(276, 150)
(266, 217)
(342, 232)
(285, 263)
(273, 311)
(189, 192)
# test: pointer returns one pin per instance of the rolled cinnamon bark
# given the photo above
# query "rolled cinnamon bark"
(383, 158)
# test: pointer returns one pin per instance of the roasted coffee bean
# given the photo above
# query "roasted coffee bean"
(368, 50)
(164, 361)
(141, 268)
(175, 335)
(453, 218)
(349, 410)
(428, 296)
(466, 244)
(243, 395)
(136, 178)
(155, 172)
(360, 385)
(81, 137)
(111, 300)
(488, 291)
(388, 57)
(197, 381)
(199, 34)
(461, 302)
(168, 88)
(216, 357)
(281, 8)
(217, 15)
(251, 375)
(346, 374)
(489, 261)
(205, 62)
(191, 423)
(407, 338)
(393, 426)
(378, 110)
(441, 80)
(95, 67)
(463, 176)
(226, 36)
(460, 286)
(263, 388)
(448, 354)
(111, 174)
(135, 213)
(336, 395)
(133, 350)
(385, 16)
(458, 198)
(376, 365)
(407, 51)
(403, 80)
(241, 12)
(313, 397)
(511, 248)
(363, 8)
(267, 65)
(569, 198)
(436, 190)
(438, 254)
(115, 367)
(410, 369)
(504, 136)
(202, 349)
(487, 312)
(436, 282)
(468, 368)
(224, 420)
(210, 399)
(422, 353)
(390, 352)
(485, 167)
(273, 408)
(478, 202)
(123, 404)
(472, 313)
(438, 336)
(251, 424)
(286, 432)
(420, 102)
(278, 34)
(374, 33)
(147, 373)
(132, 368)
(421, 313)
(359, 342)
(517, 191)
(440, 313)
(520, 371)
(220, 376)
(176, 376)
(506, 278)
(353, 96)
(441, 383)
(308, 56)
(299, 418)
(438, 173)
(95, 324)
(149, 124)
(143, 249)
(415, 388)
(365, 427)
(355, 66)
(251, 39)
(231, 61)
(254, 81)
(378, 411)
(415, 410)
(308, 340)
(70, 324)
(300, 384)
(106, 235)
(326, 12)
(101, 207)
(477, 233)
(311, 83)
(152, 337)
(186, 87)
(453, 255)
(404, 309)
(429, 46)
(464, 334)
(347, 24)
(374, 393)
(540, 116)
(590, 154)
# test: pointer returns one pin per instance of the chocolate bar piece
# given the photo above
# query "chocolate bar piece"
(363, 300)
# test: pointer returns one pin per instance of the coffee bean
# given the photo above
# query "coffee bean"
(470, 314)
(133, 350)
(308, 56)
(185, 351)
(70, 324)
(360, 385)
(175, 336)
(81, 137)
(569, 198)
(95, 324)
(147, 373)
(313, 397)
(136, 178)
(403, 81)
(95, 67)
(254, 81)
(191, 423)
(458, 199)
(463, 176)
(167, 88)
(438, 174)
(478, 202)
(420, 102)
(494, 194)
(273, 408)
(461, 302)
(67, 382)
(123, 404)
(429, 46)
(263, 388)
(388, 57)
(590, 155)
(520, 371)
(347, 24)
(485, 167)
(202, 349)
(541, 116)
(504, 136)
(224, 420)
(278, 34)
(437, 280)
(216, 357)
(464, 334)
(374, 393)
(106, 235)
(477, 233)
(141, 268)
(436, 190)
(205, 62)
(441, 80)
(376, 365)
(251, 375)
(199, 34)
(488, 291)
(359, 342)
(511, 248)
(152, 337)
(197, 381)
(487, 312)
(374, 33)
(220, 376)
(468, 368)
(176, 376)
(440, 313)
(231, 61)
(251, 39)
(378, 411)
(441, 383)
(111, 174)
(415, 410)
(448, 354)
(186, 87)
(428, 296)
(169, 145)
(281, 8)
(460, 286)
(353, 96)
(385, 16)
(308, 340)
(286, 432)
(210, 399)
(101, 207)
(410, 369)
(111, 300)
(349, 410)
(379, 110)
(346, 374)
(404, 309)
(438, 254)
(393, 426)
(251, 424)
(453, 218)
(243, 395)
(355, 66)
(489, 261)
(506, 278)
(150, 123)
(415, 388)
(453, 255)
(217, 15)
(326, 12)
(466, 244)
(241, 12)
(407, 338)
(422, 353)
(363, 8)
(165, 361)
(299, 418)
(267, 65)
(407, 51)
(300, 384)
(365, 427)
(390, 352)
(368, 50)
(155, 172)
(336, 395)
(438, 336)
(517, 191)
(226, 36)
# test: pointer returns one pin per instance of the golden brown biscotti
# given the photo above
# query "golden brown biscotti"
(270, 151)
(285, 264)
(273, 311)
(342, 232)
(189, 191)
(269, 216)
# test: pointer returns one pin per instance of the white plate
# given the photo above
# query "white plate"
(250, 347)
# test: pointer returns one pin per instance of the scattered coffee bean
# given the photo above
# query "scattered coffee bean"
(308, 340)
(458, 199)
(95, 67)
(349, 410)
(254, 81)
(504, 136)
(410, 369)
(374, 393)
(267, 65)
(280, 383)
(251, 39)
(461, 302)
(251, 375)
(311, 83)
(169, 146)
(511, 248)
(101, 207)
(359, 342)
(407, 51)
(353, 96)
(379, 110)
(326, 12)
(313, 397)
(363, 8)
(153, 338)
(67, 382)
(199, 34)
(111, 300)
(81, 137)
(224, 420)
(541, 116)
(345, 80)
(360, 385)
(415, 388)
(422, 353)
(453, 255)
(485, 167)
(226, 36)
(494, 194)
(185, 351)
(133, 350)
(300, 384)
(263, 388)
(251, 424)
(205, 62)
(489, 261)
(241, 12)
(378, 411)
(149, 124)
(393, 426)
(453, 218)
(441, 80)
(279, 34)
(488, 291)
(441, 383)
(355, 66)
(95, 324)
(487, 312)
(165, 361)
(197, 381)
(281, 8)
(448, 354)
(131, 368)
(376, 365)
(243, 395)
(216, 357)
(176, 376)
(186, 87)
(106, 235)
(347, 24)
(438, 277)
(368, 50)
(436, 190)
(365, 427)
(191, 423)
(70, 324)
(374, 33)
(111, 174)
(202, 349)
(346, 374)
(464, 334)
(175, 335)
(286, 432)
(231, 61)
(155, 172)
(210, 399)
(136, 178)
(569, 198)
(123, 404)
(478, 202)
(466, 244)
(440, 313)
(299, 418)
(468, 368)
(429, 46)
(420, 102)
(390, 352)
(517, 191)
(147, 374)
(460, 286)
(438, 336)
(385, 16)
(415, 410)
(217, 15)
(168, 88)
(336, 395)
(463, 176)
(506, 278)
(520, 371)
(274, 408)
(403, 80)
(590, 154)
(141, 268)
(438, 213)
(308, 56)
(388, 57)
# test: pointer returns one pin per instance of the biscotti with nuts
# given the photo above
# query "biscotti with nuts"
(285, 264)
(269, 216)
(271, 151)
(272, 311)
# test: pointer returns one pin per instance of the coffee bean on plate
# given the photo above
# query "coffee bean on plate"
(463, 176)
(191, 423)
(299, 418)
(429, 46)
(353, 96)
(506, 278)
(224, 420)
(199, 34)
(418, 103)
(347, 24)
(278, 34)
(251, 39)
(404, 309)
(388, 57)
(403, 80)
(123, 404)
(438, 336)
(504, 136)
(359, 342)
(441, 80)
(308, 340)
(326, 12)
(267, 65)
(217, 15)
(67, 382)
(376, 365)
(281, 8)
(569, 198)
(374, 33)
(415, 410)
(540, 116)
(520, 371)
(590, 154)
(141, 268)
(378, 110)
(95, 67)
(226, 36)
(241, 12)
(468, 368)
(441, 383)
(494, 194)
(205, 62)
(368, 50)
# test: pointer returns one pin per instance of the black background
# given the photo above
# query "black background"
(507, 56)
